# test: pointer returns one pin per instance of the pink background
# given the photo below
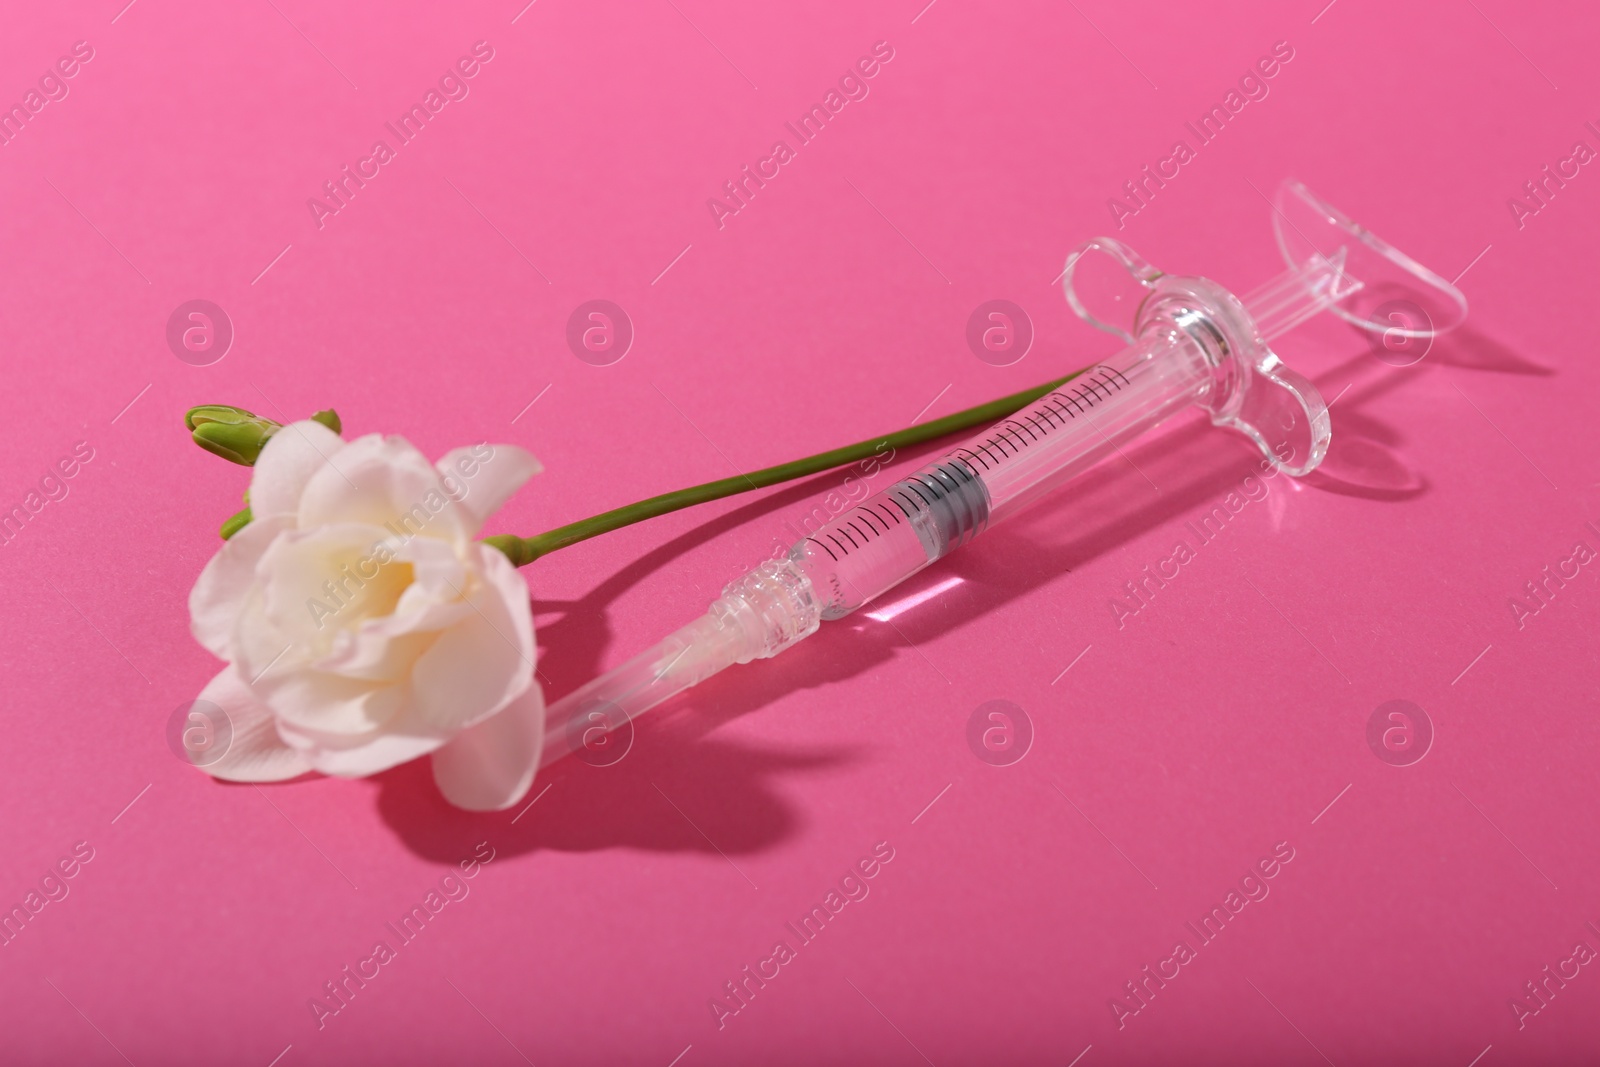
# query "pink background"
(1224, 718)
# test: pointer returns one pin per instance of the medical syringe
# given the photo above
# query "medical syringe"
(1192, 343)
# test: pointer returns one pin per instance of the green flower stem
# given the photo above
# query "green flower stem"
(524, 550)
(236, 522)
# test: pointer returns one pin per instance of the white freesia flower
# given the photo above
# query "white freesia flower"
(362, 624)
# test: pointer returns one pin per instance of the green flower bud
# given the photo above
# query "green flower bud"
(232, 433)
(216, 413)
(330, 419)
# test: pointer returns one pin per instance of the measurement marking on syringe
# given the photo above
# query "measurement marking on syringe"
(921, 487)
(1053, 410)
(1007, 428)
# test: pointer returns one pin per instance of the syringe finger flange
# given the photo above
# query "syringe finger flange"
(1250, 389)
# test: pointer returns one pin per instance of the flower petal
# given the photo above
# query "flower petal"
(219, 592)
(384, 482)
(255, 752)
(487, 476)
(287, 464)
(331, 704)
(490, 766)
(476, 666)
(357, 757)
(383, 648)
(320, 580)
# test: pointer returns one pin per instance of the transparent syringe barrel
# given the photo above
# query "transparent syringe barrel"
(895, 533)
(1057, 438)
